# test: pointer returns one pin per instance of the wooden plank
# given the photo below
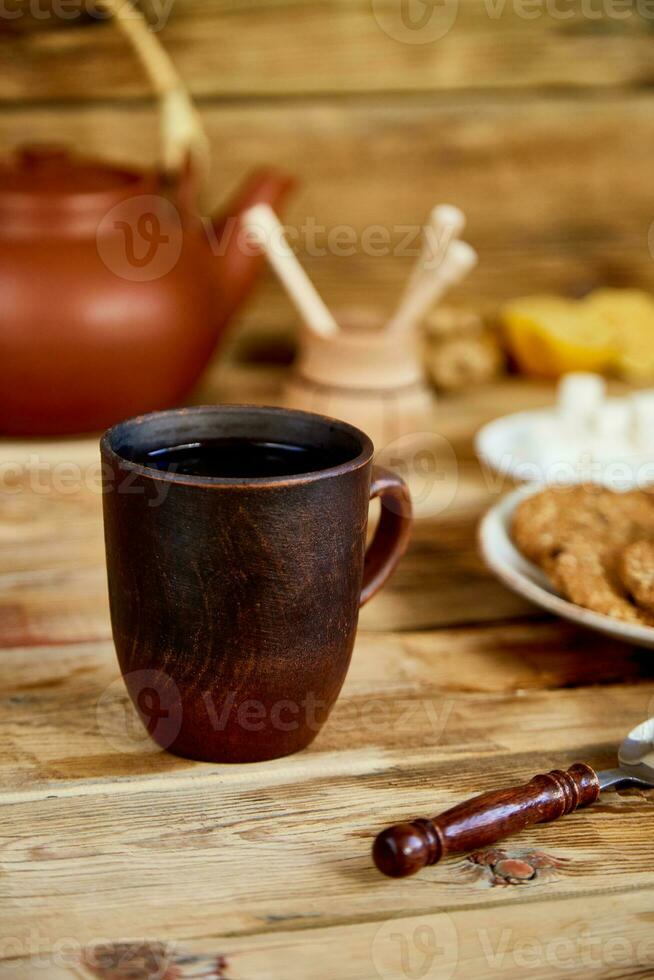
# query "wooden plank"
(67, 725)
(290, 47)
(248, 847)
(52, 577)
(603, 937)
(579, 169)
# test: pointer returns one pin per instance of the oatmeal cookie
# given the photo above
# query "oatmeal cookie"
(578, 535)
(586, 572)
(636, 572)
(543, 522)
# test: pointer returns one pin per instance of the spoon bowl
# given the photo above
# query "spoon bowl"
(636, 756)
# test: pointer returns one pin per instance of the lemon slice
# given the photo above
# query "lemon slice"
(630, 315)
(549, 336)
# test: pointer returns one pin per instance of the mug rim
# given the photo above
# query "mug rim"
(361, 459)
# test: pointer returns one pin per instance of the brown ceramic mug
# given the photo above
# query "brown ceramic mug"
(234, 601)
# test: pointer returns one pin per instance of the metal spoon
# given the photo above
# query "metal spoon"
(402, 850)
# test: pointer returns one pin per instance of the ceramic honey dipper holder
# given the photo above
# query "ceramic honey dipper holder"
(354, 365)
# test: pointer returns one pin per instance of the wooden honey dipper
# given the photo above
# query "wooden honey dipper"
(271, 237)
(443, 262)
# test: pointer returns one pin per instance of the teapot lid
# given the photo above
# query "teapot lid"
(52, 170)
(46, 191)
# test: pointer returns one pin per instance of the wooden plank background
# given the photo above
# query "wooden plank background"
(281, 48)
(539, 126)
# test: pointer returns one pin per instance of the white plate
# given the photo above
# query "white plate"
(509, 445)
(529, 581)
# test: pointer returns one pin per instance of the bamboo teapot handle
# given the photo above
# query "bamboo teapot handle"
(183, 136)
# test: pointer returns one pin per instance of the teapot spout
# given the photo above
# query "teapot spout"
(237, 262)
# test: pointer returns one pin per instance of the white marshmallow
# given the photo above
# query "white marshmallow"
(642, 420)
(580, 399)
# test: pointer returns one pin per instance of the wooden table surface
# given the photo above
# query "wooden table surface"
(456, 686)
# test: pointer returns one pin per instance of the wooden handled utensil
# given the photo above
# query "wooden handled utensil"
(269, 232)
(404, 849)
(431, 285)
(446, 223)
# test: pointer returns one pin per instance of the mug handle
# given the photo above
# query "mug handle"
(392, 533)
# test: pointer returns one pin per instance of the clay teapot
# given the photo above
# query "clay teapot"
(113, 289)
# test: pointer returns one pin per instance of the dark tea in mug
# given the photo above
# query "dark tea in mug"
(233, 457)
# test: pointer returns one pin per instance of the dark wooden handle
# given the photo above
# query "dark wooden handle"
(402, 850)
(392, 533)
